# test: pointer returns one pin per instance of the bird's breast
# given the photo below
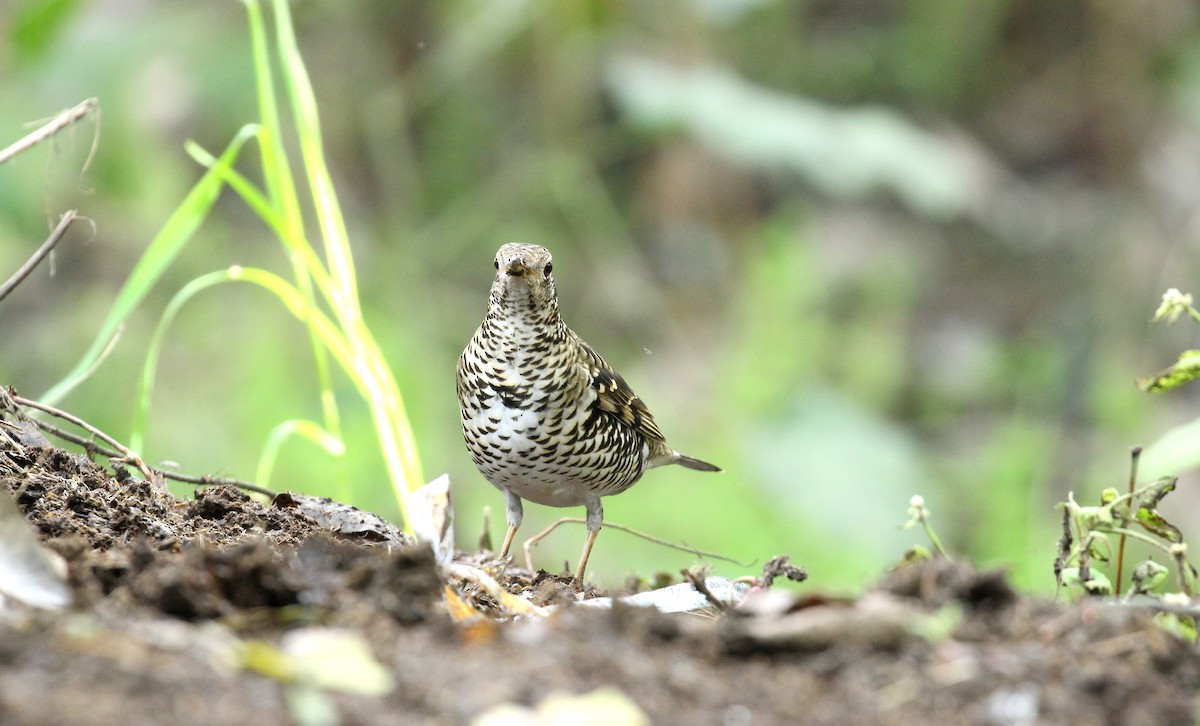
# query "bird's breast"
(531, 420)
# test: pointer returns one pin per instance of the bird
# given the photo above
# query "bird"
(544, 417)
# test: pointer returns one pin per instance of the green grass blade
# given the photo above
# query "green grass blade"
(268, 212)
(163, 249)
(308, 130)
(281, 187)
(366, 367)
(142, 409)
(305, 429)
(277, 176)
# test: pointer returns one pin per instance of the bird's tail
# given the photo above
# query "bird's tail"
(690, 463)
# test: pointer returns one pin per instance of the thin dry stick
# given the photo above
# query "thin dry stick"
(126, 454)
(1133, 468)
(201, 480)
(217, 481)
(529, 543)
(52, 127)
(19, 276)
(89, 444)
(695, 575)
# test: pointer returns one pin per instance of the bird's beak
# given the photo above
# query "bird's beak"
(516, 267)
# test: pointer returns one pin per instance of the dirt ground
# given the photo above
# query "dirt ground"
(202, 611)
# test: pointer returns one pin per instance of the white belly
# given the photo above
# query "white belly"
(538, 465)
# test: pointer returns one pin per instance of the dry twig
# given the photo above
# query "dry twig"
(696, 576)
(126, 455)
(781, 566)
(19, 276)
(119, 453)
(529, 543)
(206, 480)
(50, 128)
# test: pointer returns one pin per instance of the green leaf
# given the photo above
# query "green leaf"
(1185, 370)
(1174, 452)
(1098, 585)
(1182, 626)
(35, 25)
(1148, 575)
(1147, 513)
(916, 554)
(1153, 494)
(1154, 523)
(1092, 517)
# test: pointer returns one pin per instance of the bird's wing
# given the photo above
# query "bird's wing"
(615, 397)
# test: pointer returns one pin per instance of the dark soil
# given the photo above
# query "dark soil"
(171, 596)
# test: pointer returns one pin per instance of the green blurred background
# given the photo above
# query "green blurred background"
(851, 251)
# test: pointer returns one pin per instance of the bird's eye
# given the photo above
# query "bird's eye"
(496, 263)
(549, 266)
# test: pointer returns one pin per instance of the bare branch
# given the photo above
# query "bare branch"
(217, 481)
(125, 452)
(39, 255)
(200, 480)
(56, 124)
(123, 455)
(89, 444)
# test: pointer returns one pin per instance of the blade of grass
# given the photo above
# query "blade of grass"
(268, 212)
(163, 249)
(369, 369)
(305, 429)
(141, 410)
(308, 131)
(281, 187)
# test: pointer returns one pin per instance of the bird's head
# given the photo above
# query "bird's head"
(523, 276)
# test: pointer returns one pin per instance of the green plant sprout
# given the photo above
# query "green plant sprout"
(322, 293)
(1087, 540)
(918, 513)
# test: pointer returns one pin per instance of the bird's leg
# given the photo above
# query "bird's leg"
(513, 514)
(595, 515)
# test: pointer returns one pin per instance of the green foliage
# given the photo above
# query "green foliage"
(918, 514)
(163, 249)
(1089, 534)
(846, 153)
(341, 333)
(36, 24)
(344, 335)
(1184, 370)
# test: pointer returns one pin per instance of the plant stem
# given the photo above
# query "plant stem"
(1135, 456)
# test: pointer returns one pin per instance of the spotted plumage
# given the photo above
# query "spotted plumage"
(543, 416)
